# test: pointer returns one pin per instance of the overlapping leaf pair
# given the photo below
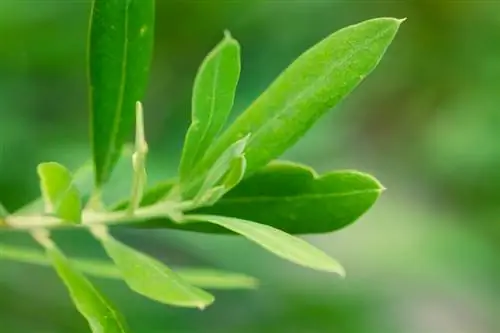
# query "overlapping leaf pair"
(228, 179)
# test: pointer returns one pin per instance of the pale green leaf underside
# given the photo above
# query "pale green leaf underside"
(213, 97)
(276, 241)
(153, 279)
(99, 312)
(200, 277)
(83, 180)
(221, 167)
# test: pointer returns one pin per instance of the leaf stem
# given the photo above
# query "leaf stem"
(95, 201)
(42, 236)
(90, 218)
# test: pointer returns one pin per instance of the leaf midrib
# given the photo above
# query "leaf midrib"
(190, 290)
(276, 241)
(109, 308)
(121, 93)
(312, 87)
(212, 106)
(309, 196)
(169, 275)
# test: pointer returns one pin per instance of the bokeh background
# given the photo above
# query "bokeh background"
(426, 123)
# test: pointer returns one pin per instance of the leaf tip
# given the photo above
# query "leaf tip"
(246, 138)
(374, 181)
(229, 39)
(341, 272)
(41, 167)
(252, 283)
(138, 106)
(202, 306)
(381, 187)
(140, 135)
(337, 268)
(206, 303)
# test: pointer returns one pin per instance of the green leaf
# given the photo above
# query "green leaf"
(276, 241)
(151, 278)
(213, 97)
(101, 315)
(60, 196)
(293, 198)
(209, 197)
(120, 52)
(221, 168)
(313, 84)
(286, 196)
(233, 176)
(82, 179)
(200, 277)
(236, 172)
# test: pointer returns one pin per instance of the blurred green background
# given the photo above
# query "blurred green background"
(426, 123)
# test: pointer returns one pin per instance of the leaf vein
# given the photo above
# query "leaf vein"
(212, 106)
(296, 197)
(312, 87)
(121, 93)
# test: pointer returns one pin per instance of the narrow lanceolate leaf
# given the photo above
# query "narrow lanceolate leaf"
(101, 315)
(60, 195)
(151, 278)
(200, 277)
(120, 51)
(213, 97)
(276, 241)
(313, 84)
(286, 196)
